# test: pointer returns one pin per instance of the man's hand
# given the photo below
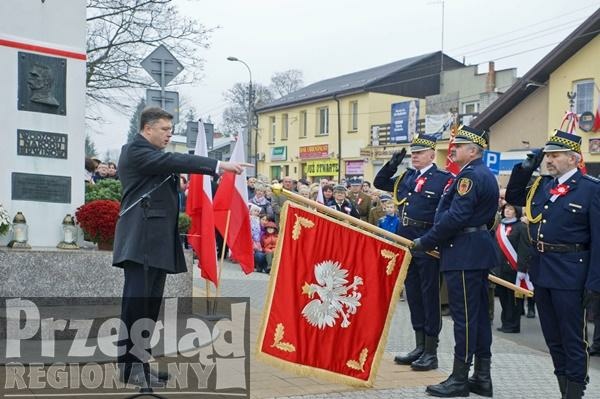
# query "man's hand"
(397, 158)
(236, 167)
(416, 245)
(589, 297)
(533, 160)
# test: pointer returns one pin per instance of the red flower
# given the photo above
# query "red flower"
(560, 190)
(99, 219)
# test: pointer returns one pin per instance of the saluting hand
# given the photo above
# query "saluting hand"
(397, 158)
(236, 167)
(533, 160)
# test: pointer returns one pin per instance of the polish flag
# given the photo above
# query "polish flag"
(596, 126)
(452, 166)
(199, 207)
(232, 218)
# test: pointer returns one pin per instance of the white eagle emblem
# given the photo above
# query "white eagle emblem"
(335, 297)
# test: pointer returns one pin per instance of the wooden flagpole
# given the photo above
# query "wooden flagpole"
(218, 293)
(278, 189)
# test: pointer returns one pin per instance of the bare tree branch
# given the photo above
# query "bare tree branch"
(121, 33)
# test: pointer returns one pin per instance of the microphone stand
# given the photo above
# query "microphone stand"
(144, 201)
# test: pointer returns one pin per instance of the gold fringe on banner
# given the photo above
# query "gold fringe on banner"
(313, 371)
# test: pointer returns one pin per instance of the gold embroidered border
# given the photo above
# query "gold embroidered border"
(313, 371)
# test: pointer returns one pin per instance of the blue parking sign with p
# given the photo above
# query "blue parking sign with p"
(492, 161)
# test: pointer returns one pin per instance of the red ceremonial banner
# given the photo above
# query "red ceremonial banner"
(332, 294)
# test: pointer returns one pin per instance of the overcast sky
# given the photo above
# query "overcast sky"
(327, 38)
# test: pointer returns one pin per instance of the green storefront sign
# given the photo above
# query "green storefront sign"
(279, 153)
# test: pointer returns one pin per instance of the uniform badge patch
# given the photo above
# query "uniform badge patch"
(464, 186)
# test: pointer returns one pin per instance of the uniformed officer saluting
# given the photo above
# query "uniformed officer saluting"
(564, 226)
(466, 255)
(417, 193)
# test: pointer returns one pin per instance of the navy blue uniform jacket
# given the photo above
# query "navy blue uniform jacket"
(470, 201)
(419, 205)
(571, 219)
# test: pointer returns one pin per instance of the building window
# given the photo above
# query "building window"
(323, 120)
(353, 123)
(584, 101)
(273, 129)
(284, 126)
(302, 124)
(472, 107)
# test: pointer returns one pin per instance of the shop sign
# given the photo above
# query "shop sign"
(355, 168)
(385, 152)
(279, 153)
(321, 168)
(317, 151)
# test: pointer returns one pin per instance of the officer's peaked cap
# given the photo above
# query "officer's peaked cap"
(563, 141)
(423, 142)
(466, 134)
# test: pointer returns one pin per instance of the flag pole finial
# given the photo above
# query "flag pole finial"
(276, 188)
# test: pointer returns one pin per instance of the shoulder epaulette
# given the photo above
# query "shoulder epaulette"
(591, 178)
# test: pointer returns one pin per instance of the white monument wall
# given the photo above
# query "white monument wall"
(55, 29)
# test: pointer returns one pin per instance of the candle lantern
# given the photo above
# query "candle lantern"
(19, 228)
(69, 234)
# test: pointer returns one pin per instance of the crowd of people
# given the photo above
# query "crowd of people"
(477, 232)
(96, 170)
(538, 233)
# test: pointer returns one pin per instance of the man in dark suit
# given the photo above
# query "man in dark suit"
(147, 244)
(467, 253)
(341, 203)
(563, 210)
(417, 193)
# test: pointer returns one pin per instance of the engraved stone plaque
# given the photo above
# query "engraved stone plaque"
(41, 188)
(42, 144)
(42, 84)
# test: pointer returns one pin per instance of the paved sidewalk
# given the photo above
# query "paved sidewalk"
(517, 371)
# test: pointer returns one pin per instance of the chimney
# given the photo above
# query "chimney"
(490, 83)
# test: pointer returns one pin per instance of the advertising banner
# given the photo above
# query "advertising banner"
(404, 121)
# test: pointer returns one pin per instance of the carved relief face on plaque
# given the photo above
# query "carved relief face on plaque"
(42, 83)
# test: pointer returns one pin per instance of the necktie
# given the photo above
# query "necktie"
(414, 181)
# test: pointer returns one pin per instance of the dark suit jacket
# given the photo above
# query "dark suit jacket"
(155, 240)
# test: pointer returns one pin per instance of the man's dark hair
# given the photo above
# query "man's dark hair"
(152, 114)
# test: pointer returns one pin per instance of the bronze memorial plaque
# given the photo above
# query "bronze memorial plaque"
(42, 84)
(41, 188)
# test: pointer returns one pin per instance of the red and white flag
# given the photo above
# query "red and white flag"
(329, 308)
(199, 206)
(596, 126)
(452, 166)
(231, 212)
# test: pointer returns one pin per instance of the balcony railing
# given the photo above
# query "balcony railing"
(382, 138)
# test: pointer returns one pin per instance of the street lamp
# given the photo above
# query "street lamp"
(250, 109)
